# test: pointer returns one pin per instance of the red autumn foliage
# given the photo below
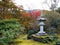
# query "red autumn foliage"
(34, 13)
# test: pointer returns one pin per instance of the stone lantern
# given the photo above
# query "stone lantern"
(41, 20)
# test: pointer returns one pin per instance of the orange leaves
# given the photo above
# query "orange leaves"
(26, 14)
(8, 17)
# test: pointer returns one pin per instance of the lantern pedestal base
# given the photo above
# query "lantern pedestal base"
(40, 33)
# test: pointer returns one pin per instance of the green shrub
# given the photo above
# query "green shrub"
(52, 31)
(9, 29)
(58, 43)
(31, 32)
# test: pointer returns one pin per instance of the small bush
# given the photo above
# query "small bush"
(58, 43)
(30, 32)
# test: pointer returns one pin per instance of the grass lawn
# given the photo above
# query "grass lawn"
(22, 40)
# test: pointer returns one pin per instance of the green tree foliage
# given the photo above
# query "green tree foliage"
(7, 4)
(58, 10)
(9, 29)
(9, 10)
(53, 19)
